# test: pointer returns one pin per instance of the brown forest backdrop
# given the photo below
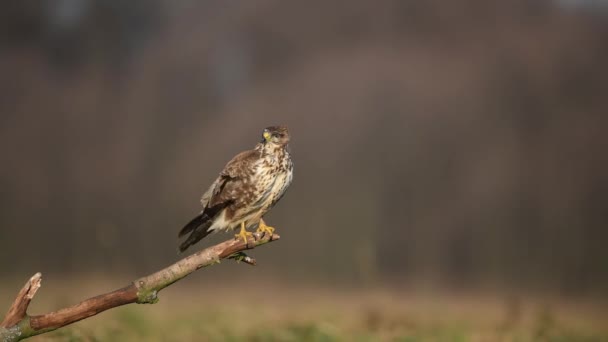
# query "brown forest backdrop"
(442, 143)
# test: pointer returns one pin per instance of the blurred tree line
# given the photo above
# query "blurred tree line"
(453, 143)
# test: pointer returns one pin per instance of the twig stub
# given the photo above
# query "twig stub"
(18, 310)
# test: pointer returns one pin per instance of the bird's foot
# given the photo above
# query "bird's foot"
(243, 234)
(263, 228)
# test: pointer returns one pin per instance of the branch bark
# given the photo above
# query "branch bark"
(17, 325)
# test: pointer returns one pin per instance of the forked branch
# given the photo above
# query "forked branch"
(17, 325)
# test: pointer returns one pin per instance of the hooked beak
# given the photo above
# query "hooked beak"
(266, 135)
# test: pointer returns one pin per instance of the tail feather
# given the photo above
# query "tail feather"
(198, 229)
(195, 222)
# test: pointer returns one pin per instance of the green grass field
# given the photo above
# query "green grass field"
(187, 312)
(134, 324)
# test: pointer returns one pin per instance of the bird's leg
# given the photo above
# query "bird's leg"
(263, 228)
(243, 234)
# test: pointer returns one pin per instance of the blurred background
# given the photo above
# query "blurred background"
(444, 146)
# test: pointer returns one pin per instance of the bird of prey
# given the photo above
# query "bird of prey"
(248, 187)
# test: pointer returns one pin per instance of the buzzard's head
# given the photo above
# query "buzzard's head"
(277, 135)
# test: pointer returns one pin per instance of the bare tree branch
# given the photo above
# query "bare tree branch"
(17, 325)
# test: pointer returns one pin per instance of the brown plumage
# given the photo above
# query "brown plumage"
(248, 187)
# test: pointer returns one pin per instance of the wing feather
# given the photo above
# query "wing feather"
(231, 178)
(224, 191)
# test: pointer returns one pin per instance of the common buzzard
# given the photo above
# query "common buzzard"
(248, 187)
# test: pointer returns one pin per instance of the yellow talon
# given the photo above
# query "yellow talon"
(263, 228)
(243, 234)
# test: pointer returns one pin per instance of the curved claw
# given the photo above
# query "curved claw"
(263, 228)
(243, 234)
